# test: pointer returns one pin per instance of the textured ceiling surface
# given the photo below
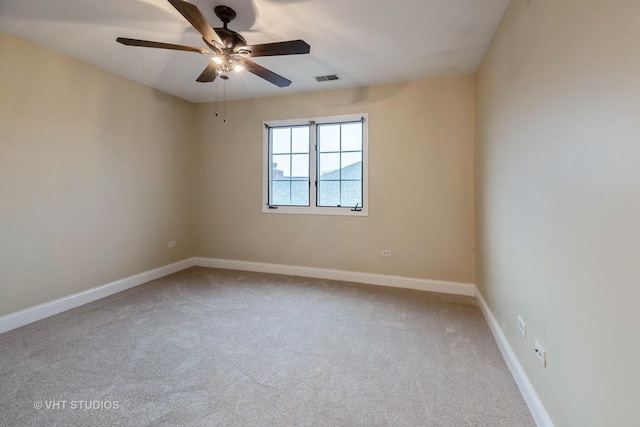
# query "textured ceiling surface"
(364, 42)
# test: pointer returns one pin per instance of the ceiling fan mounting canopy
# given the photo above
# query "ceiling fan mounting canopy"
(225, 13)
(227, 48)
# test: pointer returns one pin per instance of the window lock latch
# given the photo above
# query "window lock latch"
(356, 208)
(271, 206)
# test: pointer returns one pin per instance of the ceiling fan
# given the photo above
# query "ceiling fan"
(228, 50)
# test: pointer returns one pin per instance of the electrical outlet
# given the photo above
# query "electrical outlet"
(172, 244)
(522, 327)
(540, 353)
(386, 252)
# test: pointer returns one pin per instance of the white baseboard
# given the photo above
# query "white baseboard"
(42, 311)
(457, 288)
(539, 413)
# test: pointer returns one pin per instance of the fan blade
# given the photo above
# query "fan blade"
(145, 43)
(197, 19)
(260, 71)
(291, 47)
(209, 74)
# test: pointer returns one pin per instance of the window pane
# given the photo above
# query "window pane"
(281, 165)
(281, 140)
(352, 137)
(300, 193)
(351, 166)
(300, 166)
(300, 139)
(329, 138)
(351, 192)
(280, 192)
(328, 193)
(329, 166)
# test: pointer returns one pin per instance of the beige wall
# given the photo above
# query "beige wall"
(558, 200)
(95, 176)
(420, 186)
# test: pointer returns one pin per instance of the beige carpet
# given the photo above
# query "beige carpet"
(226, 348)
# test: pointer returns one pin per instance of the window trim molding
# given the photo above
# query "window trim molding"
(313, 209)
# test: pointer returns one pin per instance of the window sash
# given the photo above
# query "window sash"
(322, 197)
(288, 181)
(314, 180)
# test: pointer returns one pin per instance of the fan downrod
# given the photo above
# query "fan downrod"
(225, 13)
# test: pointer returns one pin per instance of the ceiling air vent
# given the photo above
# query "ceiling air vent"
(327, 78)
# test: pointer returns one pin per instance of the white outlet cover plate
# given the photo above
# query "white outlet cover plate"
(522, 327)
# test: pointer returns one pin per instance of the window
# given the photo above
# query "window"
(316, 166)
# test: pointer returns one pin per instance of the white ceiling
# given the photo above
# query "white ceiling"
(365, 42)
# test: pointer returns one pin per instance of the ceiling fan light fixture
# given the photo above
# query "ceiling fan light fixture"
(217, 59)
(238, 68)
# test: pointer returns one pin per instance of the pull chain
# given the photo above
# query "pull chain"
(224, 101)
(216, 100)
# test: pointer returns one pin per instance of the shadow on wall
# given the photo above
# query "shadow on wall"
(356, 96)
(164, 97)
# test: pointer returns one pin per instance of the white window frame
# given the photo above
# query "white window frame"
(313, 209)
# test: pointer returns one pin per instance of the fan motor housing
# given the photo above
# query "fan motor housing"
(230, 39)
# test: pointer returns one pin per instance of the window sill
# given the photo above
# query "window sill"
(315, 211)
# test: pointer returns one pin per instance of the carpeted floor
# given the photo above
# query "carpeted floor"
(227, 348)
